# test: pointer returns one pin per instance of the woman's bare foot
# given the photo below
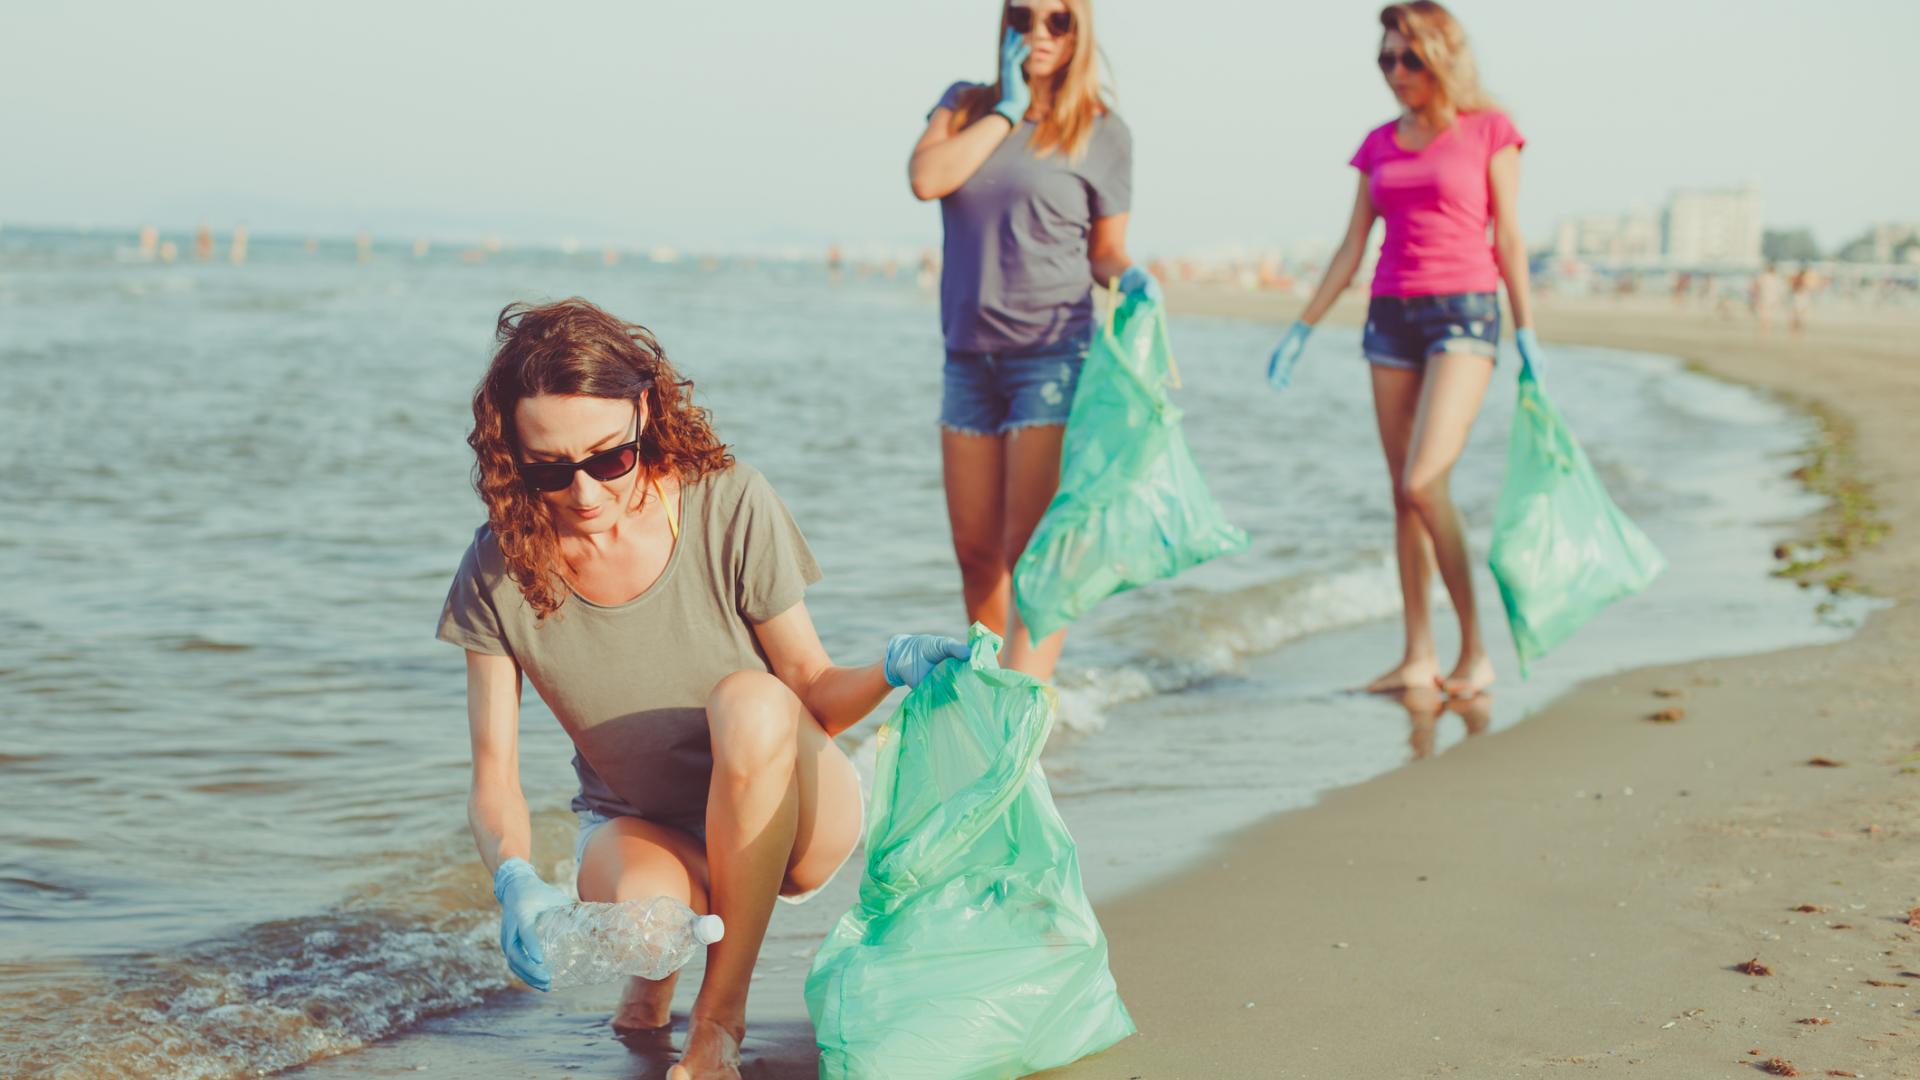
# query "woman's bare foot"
(1409, 675)
(646, 1006)
(1472, 676)
(713, 1052)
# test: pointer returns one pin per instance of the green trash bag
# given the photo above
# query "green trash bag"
(1561, 549)
(972, 953)
(1131, 507)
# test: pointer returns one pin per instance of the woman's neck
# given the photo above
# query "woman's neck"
(1431, 119)
(1042, 97)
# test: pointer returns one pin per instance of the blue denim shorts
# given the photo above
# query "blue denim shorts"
(1403, 331)
(991, 393)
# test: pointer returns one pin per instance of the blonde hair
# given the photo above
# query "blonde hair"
(1077, 98)
(1439, 40)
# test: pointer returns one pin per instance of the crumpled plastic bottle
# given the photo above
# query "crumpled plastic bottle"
(589, 943)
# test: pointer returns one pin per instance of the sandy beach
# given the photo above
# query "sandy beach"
(1574, 895)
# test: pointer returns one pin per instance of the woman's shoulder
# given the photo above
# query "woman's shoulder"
(727, 488)
(1492, 122)
(483, 559)
(950, 99)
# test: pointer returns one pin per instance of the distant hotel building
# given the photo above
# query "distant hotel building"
(1714, 228)
(1701, 229)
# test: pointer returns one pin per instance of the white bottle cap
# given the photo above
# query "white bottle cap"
(708, 929)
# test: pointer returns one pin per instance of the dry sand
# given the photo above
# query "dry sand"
(1573, 895)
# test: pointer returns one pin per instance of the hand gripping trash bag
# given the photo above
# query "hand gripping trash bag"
(972, 953)
(1131, 507)
(1561, 549)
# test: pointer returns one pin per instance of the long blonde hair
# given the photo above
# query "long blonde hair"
(1439, 40)
(1077, 99)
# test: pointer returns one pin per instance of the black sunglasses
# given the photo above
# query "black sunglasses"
(603, 466)
(1020, 21)
(1406, 58)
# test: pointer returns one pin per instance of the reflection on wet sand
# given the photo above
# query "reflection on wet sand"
(1426, 707)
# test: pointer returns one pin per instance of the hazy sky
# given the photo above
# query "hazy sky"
(758, 124)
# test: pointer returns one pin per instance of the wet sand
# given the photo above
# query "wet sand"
(1573, 895)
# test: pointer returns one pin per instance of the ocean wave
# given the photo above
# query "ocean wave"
(1189, 636)
(419, 942)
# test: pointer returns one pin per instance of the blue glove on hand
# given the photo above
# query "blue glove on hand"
(1528, 343)
(1014, 95)
(911, 657)
(1138, 282)
(1286, 354)
(523, 897)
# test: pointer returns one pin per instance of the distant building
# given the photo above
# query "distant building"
(1885, 244)
(1714, 228)
(1631, 239)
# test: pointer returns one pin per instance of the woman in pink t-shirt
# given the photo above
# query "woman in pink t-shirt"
(1440, 175)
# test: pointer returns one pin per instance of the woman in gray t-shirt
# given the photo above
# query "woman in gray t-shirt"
(1035, 178)
(650, 587)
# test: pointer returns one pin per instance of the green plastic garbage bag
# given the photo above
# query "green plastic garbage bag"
(972, 953)
(1561, 549)
(1131, 507)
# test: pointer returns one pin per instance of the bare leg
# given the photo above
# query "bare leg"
(782, 813)
(973, 466)
(1396, 401)
(1033, 475)
(1456, 383)
(631, 859)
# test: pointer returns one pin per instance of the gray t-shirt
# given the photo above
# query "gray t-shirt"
(630, 681)
(1015, 272)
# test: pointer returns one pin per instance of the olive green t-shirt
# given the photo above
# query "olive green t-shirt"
(630, 681)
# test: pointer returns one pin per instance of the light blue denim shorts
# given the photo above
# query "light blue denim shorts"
(992, 393)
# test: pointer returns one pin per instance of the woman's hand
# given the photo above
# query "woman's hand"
(1137, 282)
(523, 898)
(1286, 354)
(912, 657)
(1528, 343)
(1014, 95)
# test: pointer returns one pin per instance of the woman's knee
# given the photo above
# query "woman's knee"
(752, 718)
(1421, 493)
(636, 860)
(980, 558)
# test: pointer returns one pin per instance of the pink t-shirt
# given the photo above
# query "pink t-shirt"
(1437, 206)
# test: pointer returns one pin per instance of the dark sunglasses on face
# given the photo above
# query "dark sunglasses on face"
(604, 466)
(1406, 58)
(1020, 21)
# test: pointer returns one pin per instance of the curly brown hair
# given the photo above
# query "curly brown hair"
(566, 348)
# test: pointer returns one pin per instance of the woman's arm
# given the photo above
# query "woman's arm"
(1503, 180)
(1107, 249)
(496, 808)
(836, 696)
(944, 159)
(1346, 261)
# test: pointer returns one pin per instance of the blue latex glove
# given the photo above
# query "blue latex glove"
(1286, 354)
(1014, 95)
(1137, 282)
(523, 896)
(911, 657)
(1528, 343)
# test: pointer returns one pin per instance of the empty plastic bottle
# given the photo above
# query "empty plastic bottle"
(589, 943)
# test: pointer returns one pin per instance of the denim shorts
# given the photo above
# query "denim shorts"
(992, 393)
(1403, 331)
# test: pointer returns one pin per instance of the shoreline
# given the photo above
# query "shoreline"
(1575, 892)
(1339, 870)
